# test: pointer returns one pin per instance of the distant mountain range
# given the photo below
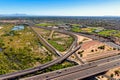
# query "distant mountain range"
(14, 15)
(26, 15)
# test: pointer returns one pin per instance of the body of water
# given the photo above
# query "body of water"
(20, 27)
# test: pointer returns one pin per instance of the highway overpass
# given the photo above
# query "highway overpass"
(111, 61)
(41, 67)
(80, 71)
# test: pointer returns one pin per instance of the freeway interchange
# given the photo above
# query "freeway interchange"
(72, 73)
(41, 67)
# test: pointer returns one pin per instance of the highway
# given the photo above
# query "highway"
(70, 71)
(41, 67)
(46, 44)
(74, 44)
(101, 55)
(101, 39)
(59, 60)
(89, 72)
(94, 37)
(50, 47)
(54, 50)
(79, 59)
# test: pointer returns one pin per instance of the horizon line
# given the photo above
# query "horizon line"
(22, 15)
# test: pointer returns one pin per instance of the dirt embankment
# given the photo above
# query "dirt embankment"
(93, 47)
(116, 40)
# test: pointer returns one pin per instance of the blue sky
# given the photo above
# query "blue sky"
(61, 7)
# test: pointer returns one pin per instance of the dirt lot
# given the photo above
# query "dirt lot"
(90, 47)
(82, 38)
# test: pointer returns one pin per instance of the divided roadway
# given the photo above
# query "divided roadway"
(41, 67)
(78, 71)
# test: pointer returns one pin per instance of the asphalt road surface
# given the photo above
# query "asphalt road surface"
(69, 71)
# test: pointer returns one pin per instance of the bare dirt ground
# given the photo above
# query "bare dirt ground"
(115, 72)
(60, 35)
(82, 39)
(89, 47)
(111, 73)
(1, 27)
(92, 47)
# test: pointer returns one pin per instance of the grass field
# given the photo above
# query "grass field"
(60, 41)
(45, 24)
(21, 50)
(115, 33)
(101, 31)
